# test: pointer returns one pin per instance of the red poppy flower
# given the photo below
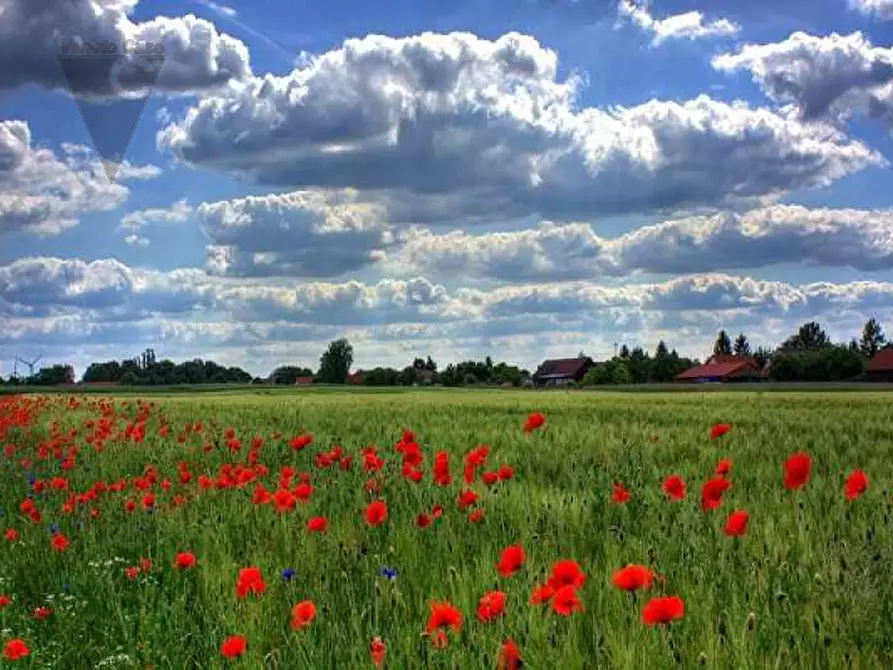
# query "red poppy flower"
(145, 564)
(534, 421)
(376, 513)
(441, 469)
(303, 491)
(796, 471)
(541, 594)
(619, 495)
(301, 441)
(59, 542)
(737, 523)
(724, 467)
(42, 613)
(423, 520)
(719, 430)
(566, 601)
(511, 560)
(234, 646)
(317, 524)
(476, 516)
(489, 478)
(674, 487)
(132, 572)
(303, 614)
(437, 511)
(250, 581)
(509, 656)
(4, 601)
(491, 606)
(443, 617)
(185, 560)
(566, 573)
(11, 534)
(377, 650)
(856, 484)
(284, 500)
(466, 499)
(633, 577)
(15, 650)
(663, 610)
(505, 472)
(712, 492)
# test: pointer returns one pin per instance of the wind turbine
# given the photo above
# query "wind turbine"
(30, 364)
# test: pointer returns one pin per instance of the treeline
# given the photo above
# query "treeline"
(145, 370)
(637, 366)
(54, 375)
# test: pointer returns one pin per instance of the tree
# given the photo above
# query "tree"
(762, 355)
(742, 346)
(624, 351)
(873, 338)
(431, 365)
(809, 337)
(334, 364)
(288, 374)
(418, 364)
(408, 375)
(723, 344)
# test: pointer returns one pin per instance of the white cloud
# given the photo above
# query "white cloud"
(820, 76)
(179, 212)
(690, 25)
(33, 35)
(223, 10)
(45, 194)
(137, 241)
(456, 126)
(304, 233)
(861, 239)
(881, 9)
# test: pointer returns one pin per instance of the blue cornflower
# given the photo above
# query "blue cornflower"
(287, 574)
(388, 573)
(32, 478)
(54, 528)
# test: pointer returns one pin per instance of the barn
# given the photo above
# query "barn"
(562, 371)
(722, 368)
(880, 367)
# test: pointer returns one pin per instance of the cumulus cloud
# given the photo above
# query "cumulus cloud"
(455, 125)
(33, 34)
(881, 9)
(690, 25)
(45, 194)
(306, 233)
(179, 212)
(832, 75)
(861, 239)
(113, 291)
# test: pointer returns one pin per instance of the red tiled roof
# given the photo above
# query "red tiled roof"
(882, 361)
(562, 367)
(304, 380)
(355, 378)
(720, 370)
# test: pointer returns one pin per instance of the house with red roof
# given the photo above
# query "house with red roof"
(880, 367)
(722, 368)
(303, 381)
(562, 371)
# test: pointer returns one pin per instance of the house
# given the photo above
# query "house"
(880, 367)
(424, 377)
(562, 371)
(723, 368)
(303, 381)
(356, 377)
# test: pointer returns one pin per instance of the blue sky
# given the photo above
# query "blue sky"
(522, 179)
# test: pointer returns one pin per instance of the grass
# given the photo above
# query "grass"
(808, 586)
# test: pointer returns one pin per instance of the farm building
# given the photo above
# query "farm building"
(880, 368)
(723, 368)
(562, 371)
(303, 381)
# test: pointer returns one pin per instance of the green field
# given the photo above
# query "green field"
(808, 586)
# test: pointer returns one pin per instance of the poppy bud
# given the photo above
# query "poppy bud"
(751, 621)
(702, 658)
